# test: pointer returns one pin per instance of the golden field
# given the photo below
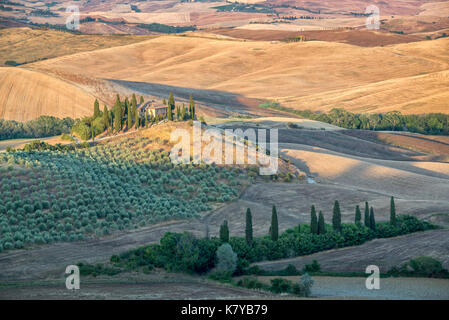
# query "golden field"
(408, 77)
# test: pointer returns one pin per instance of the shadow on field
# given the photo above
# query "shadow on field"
(220, 100)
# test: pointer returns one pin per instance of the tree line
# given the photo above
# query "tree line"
(44, 126)
(431, 123)
(184, 252)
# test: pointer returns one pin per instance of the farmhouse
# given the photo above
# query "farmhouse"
(153, 109)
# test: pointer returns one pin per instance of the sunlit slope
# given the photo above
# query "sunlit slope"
(317, 75)
(25, 95)
(25, 45)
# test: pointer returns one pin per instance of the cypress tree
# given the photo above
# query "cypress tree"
(224, 232)
(141, 100)
(134, 100)
(321, 225)
(106, 118)
(117, 114)
(367, 223)
(336, 217)
(130, 118)
(178, 113)
(392, 212)
(358, 216)
(274, 230)
(134, 115)
(313, 221)
(192, 107)
(126, 107)
(96, 109)
(249, 227)
(372, 221)
(164, 102)
(171, 106)
(183, 112)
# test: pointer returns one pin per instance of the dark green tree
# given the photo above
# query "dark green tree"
(178, 113)
(313, 221)
(118, 114)
(141, 100)
(106, 120)
(358, 216)
(372, 221)
(367, 223)
(183, 112)
(274, 230)
(97, 112)
(249, 227)
(137, 118)
(321, 224)
(130, 118)
(224, 232)
(133, 100)
(192, 107)
(126, 110)
(171, 106)
(392, 212)
(336, 217)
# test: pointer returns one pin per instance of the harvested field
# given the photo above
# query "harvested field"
(164, 286)
(385, 253)
(19, 143)
(390, 288)
(26, 45)
(437, 8)
(313, 75)
(363, 38)
(397, 7)
(26, 95)
(401, 179)
(436, 145)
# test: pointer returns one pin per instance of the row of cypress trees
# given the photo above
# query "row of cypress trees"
(114, 120)
(273, 231)
(317, 224)
(181, 112)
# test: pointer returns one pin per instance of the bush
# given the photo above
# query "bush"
(280, 285)
(420, 267)
(227, 258)
(312, 267)
(305, 285)
(252, 283)
(426, 265)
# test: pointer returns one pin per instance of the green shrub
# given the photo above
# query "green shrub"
(420, 267)
(252, 283)
(312, 267)
(426, 265)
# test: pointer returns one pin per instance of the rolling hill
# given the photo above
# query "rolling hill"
(26, 95)
(409, 77)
